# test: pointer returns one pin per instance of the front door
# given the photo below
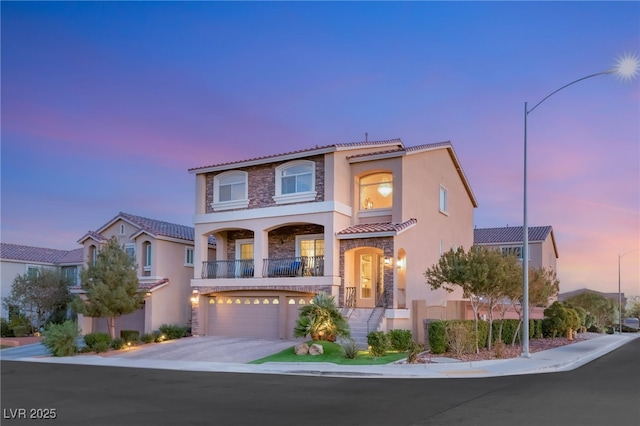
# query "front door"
(370, 282)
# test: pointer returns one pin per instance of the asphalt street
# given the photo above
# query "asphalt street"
(602, 392)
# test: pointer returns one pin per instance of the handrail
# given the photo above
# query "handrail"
(239, 268)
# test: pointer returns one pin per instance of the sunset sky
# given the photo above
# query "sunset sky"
(106, 105)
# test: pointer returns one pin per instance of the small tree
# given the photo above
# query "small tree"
(633, 307)
(111, 286)
(602, 309)
(543, 286)
(39, 296)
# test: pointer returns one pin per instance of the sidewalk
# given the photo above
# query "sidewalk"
(563, 358)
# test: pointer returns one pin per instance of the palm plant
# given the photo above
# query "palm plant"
(321, 319)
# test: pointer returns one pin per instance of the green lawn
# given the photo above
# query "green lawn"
(333, 354)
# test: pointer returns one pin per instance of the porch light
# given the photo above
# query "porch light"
(400, 263)
(148, 294)
(387, 261)
(385, 189)
(194, 291)
(194, 299)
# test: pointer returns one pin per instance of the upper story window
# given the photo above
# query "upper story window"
(33, 271)
(93, 254)
(376, 191)
(188, 256)
(122, 229)
(147, 256)
(71, 275)
(444, 200)
(131, 250)
(295, 182)
(230, 191)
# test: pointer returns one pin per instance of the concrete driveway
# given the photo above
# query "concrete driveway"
(208, 349)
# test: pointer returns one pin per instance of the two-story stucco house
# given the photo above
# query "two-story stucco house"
(543, 252)
(18, 260)
(164, 254)
(361, 221)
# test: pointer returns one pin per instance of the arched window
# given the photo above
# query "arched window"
(93, 254)
(295, 182)
(230, 191)
(376, 191)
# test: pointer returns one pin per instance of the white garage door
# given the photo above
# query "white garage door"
(243, 316)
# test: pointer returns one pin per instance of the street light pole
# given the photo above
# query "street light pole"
(626, 68)
(620, 290)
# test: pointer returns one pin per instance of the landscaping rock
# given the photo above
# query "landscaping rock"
(316, 349)
(301, 349)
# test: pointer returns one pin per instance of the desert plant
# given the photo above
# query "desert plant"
(173, 331)
(400, 340)
(100, 347)
(350, 349)
(117, 343)
(459, 339)
(499, 348)
(321, 319)
(413, 351)
(378, 343)
(61, 339)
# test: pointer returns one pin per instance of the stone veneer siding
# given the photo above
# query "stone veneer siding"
(383, 243)
(262, 183)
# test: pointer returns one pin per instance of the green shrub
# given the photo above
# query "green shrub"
(93, 339)
(400, 340)
(20, 331)
(535, 329)
(118, 343)
(100, 347)
(4, 328)
(378, 343)
(147, 338)
(61, 339)
(594, 329)
(173, 331)
(413, 351)
(130, 335)
(350, 349)
(437, 337)
(20, 325)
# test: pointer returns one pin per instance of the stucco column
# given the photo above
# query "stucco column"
(260, 251)
(200, 253)
(201, 193)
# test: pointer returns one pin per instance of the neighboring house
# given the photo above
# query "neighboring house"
(164, 257)
(360, 221)
(543, 251)
(19, 260)
(613, 296)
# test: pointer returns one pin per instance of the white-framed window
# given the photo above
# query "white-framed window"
(130, 248)
(33, 271)
(147, 256)
(310, 245)
(93, 254)
(376, 191)
(188, 256)
(71, 274)
(444, 200)
(295, 182)
(230, 190)
(514, 250)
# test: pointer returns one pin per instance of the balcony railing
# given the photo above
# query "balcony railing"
(228, 269)
(304, 266)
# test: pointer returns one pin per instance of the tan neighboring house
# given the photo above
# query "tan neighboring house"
(18, 260)
(361, 221)
(164, 254)
(543, 252)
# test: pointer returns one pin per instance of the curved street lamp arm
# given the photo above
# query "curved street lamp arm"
(567, 85)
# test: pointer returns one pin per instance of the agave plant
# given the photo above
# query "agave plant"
(321, 319)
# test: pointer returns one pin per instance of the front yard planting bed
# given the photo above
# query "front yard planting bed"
(333, 354)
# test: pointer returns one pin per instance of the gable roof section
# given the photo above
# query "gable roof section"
(397, 143)
(34, 254)
(153, 227)
(370, 230)
(513, 234)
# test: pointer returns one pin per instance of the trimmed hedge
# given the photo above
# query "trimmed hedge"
(130, 335)
(438, 337)
(400, 340)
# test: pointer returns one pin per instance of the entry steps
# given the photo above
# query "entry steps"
(362, 321)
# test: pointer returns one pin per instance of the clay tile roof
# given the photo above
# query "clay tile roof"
(72, 256)
(94, 235)
(153, 284)
(160, 228)
(31, 254)
(509, 234)
(309, 151)
(378, 228)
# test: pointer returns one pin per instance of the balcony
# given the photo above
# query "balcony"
(302, 266)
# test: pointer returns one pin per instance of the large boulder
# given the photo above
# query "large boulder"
(316, 349)
(301, 349)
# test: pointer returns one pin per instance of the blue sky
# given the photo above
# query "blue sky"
(106, 105)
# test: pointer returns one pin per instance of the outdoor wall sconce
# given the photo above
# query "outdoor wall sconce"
(387, 261)
(148, 294)
(194, 299)
(400, 263)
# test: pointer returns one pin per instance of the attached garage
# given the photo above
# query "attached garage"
(266, 315)
(243, 316)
